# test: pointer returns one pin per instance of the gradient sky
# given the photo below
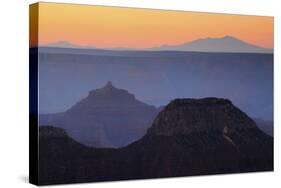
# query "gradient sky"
(110, 27)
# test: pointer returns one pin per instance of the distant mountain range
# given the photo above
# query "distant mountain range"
(224, 44)
(188, 137)
(66, 44)
(107, 117)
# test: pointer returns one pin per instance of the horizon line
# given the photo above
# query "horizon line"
(69, 45)
(92, 46)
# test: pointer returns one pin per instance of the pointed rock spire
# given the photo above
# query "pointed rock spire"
(110, 92)
(109, 85)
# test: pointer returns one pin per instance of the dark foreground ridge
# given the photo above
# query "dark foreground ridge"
(188, 137)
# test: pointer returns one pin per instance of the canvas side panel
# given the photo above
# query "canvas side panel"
(33, 93)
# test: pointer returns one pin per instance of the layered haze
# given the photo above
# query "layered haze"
(66, 75)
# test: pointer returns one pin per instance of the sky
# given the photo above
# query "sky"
(115, 27)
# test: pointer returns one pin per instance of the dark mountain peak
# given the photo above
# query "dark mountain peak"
(109, 85)
(186, 116)
(107, 117)
(110, 92)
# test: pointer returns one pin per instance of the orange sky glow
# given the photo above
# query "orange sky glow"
(110, 27)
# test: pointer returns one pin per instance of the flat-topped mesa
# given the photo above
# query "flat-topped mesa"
(186, 116)
(206, 102)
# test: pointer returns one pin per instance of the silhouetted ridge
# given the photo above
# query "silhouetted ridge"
(184, 116)
(188, 137)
